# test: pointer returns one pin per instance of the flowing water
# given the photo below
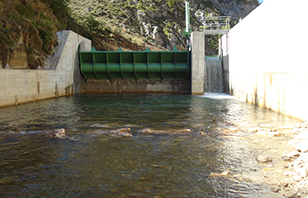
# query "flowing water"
(88, 163)
(213, 76)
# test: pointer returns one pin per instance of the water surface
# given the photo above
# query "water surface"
(91, 164)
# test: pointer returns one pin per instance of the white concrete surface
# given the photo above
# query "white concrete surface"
(197, 63)
(21, 86)
(266, 57)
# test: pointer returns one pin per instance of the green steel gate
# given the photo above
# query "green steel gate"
(135, 64)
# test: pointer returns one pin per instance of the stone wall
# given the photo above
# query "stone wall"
(265, 58)
(21, 86)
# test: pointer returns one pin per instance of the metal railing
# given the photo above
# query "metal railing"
(216, 24)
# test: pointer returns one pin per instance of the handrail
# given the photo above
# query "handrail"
(217, 23)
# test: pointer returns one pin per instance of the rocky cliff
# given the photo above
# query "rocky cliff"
(26, 33)
(158, 22)
(27, 27)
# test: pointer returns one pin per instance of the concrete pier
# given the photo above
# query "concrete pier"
(61, 78)
(264, 58)
(197, 63)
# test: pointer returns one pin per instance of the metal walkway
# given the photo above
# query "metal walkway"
(214, 25)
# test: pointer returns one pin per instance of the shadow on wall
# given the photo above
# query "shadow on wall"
(280, 92)
(225, 73)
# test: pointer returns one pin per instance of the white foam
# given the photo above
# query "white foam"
(218, 96)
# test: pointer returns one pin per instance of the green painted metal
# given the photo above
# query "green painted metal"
(135, 64)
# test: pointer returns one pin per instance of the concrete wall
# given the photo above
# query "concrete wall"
(21, 86)
(265, 57)
(197, 63)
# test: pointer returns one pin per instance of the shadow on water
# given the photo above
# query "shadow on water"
(91, 164)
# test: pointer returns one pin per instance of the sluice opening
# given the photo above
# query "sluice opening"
(213, 75)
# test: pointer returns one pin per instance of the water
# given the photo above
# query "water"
(91, 164)
(213, 77)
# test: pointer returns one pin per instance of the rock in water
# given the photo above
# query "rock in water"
(184, 131)
(99, 126)
(124, 134)
(275, 189)
(146, 131)
(56, 133)
(264, 158)
(290, 156)
(124, 129)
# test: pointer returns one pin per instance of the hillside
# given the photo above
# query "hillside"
(27, 27)
(157, 22)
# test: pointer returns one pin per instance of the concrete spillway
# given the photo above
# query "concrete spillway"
(213, 76)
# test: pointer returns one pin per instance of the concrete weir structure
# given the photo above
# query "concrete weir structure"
(60, 79)
(264, 57)
(198, 63)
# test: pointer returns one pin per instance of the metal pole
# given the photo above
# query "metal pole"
(187, 16)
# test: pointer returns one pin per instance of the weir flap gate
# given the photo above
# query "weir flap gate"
(135, 64)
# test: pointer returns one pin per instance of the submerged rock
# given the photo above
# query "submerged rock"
(116, 133)
(132, 126)
(263, 158)
(124, 134)
(202, 133)
(156, 132)
(290, 156)
(167, 132)
(102, 132)
(297, 178)
(56, 133)
(124, 129)
(99, 126)
(254, 129)
(183, 131)
(275, 189)
(269, 133)
(230, 130)
(302, 147)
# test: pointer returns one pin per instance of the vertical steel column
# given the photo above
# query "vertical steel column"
(147, 55)
(107, 68)
(161, 66)
(174, 60)
(120, 54)
(94, 62)
(134, 66)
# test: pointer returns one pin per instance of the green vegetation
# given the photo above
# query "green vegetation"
(135, 20)
(4, 39)
(212, 41)
(168, 29)
(46, 33)
(61, 10)
(25, 10)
